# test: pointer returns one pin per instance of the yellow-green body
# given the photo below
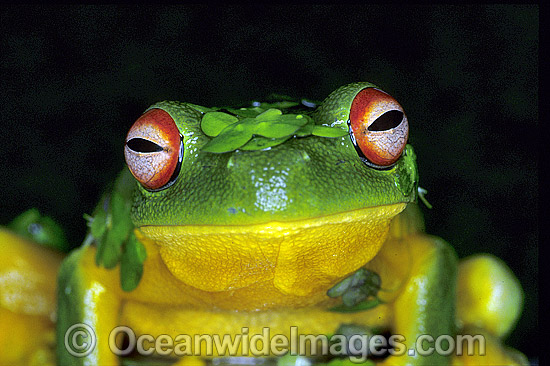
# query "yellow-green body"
(247, 240)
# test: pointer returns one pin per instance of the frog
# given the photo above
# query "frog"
(255, 228)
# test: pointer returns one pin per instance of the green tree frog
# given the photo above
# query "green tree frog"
(264, 225)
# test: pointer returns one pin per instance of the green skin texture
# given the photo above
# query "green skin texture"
(299, 179)
(302, 178)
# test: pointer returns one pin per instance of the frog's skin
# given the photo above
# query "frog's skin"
(273, 238)
(31, 248)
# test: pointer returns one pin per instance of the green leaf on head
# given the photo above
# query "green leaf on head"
(257, 128)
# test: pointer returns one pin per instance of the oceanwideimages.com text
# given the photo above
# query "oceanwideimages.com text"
(80, 341)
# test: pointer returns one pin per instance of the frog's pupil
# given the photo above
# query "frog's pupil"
(143, 146)
(387, 121)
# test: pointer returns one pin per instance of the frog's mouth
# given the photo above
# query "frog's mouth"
(297, 257)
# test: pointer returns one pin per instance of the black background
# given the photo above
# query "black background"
(73, 80)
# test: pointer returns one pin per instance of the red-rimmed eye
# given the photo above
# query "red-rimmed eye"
(379, 126)
(152, 149)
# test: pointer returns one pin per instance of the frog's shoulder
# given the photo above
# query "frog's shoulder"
(409, 222)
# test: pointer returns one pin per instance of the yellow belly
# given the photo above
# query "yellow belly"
(268, 265)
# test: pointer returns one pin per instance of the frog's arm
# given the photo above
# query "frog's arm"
(424, 289)
(89, 292)
(89, 303)
(487, 295)
(418, 274)
(425, 304)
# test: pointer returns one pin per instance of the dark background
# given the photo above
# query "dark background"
(73, 80)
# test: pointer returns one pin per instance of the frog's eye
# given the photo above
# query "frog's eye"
(379, 127)
(154, 150)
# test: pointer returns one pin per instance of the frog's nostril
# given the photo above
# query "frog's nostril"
(143, 146)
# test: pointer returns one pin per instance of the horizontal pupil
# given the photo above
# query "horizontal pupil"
(143, 146)
(387, 121)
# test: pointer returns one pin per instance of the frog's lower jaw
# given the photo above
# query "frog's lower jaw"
(273, 264)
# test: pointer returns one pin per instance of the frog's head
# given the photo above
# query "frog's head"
(240, 197)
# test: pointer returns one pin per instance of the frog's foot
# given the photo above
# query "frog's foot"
(489, 302)
(26, 339)
(489, 295)
(483, 348)
(358, 291)
(27, 300)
